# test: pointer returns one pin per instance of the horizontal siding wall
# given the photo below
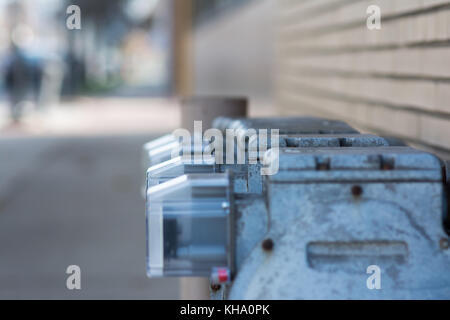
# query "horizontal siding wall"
(393, 81)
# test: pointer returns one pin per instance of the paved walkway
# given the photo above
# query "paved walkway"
(69, 194)
(95, 116)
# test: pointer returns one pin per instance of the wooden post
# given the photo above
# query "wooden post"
(182, 45)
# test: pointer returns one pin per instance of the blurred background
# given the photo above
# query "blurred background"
(76, 106)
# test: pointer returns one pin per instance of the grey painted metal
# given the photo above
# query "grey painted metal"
(342, 201)
(329, 226)
(251, 224)
(292, 125)
(447, 203)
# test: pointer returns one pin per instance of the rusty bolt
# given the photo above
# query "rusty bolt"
(267, 245)
(357, 191)
(323, 167)
(444, 244)
(215, 287)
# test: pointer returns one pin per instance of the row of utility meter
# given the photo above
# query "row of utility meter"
(346, 215)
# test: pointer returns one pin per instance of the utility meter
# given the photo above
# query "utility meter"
(189, 227)
(340, 202)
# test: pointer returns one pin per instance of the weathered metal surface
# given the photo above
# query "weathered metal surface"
(326, 232)
(447, 172)
(447, 203)
(251, 224)
(294, 125)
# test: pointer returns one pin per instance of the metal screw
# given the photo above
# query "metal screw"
(267, 245)
(357, 191)
(215, 287)
(444, 244)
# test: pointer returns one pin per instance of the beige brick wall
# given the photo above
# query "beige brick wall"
(393, 81)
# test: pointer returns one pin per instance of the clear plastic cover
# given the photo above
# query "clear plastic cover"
(162, 141)
(177, 167)
(164, 149)
(169, 147)
(156, 151)
(188, 226)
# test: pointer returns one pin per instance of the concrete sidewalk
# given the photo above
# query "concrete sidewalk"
(69, 195)
(67, 201)
(91, 116)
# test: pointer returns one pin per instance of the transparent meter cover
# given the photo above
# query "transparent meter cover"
(168, 138)
(177, 167)
(150, 157)
(188, 226)
(163, 149)
(169, 147)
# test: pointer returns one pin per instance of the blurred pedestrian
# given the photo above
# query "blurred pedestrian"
(23, 76)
